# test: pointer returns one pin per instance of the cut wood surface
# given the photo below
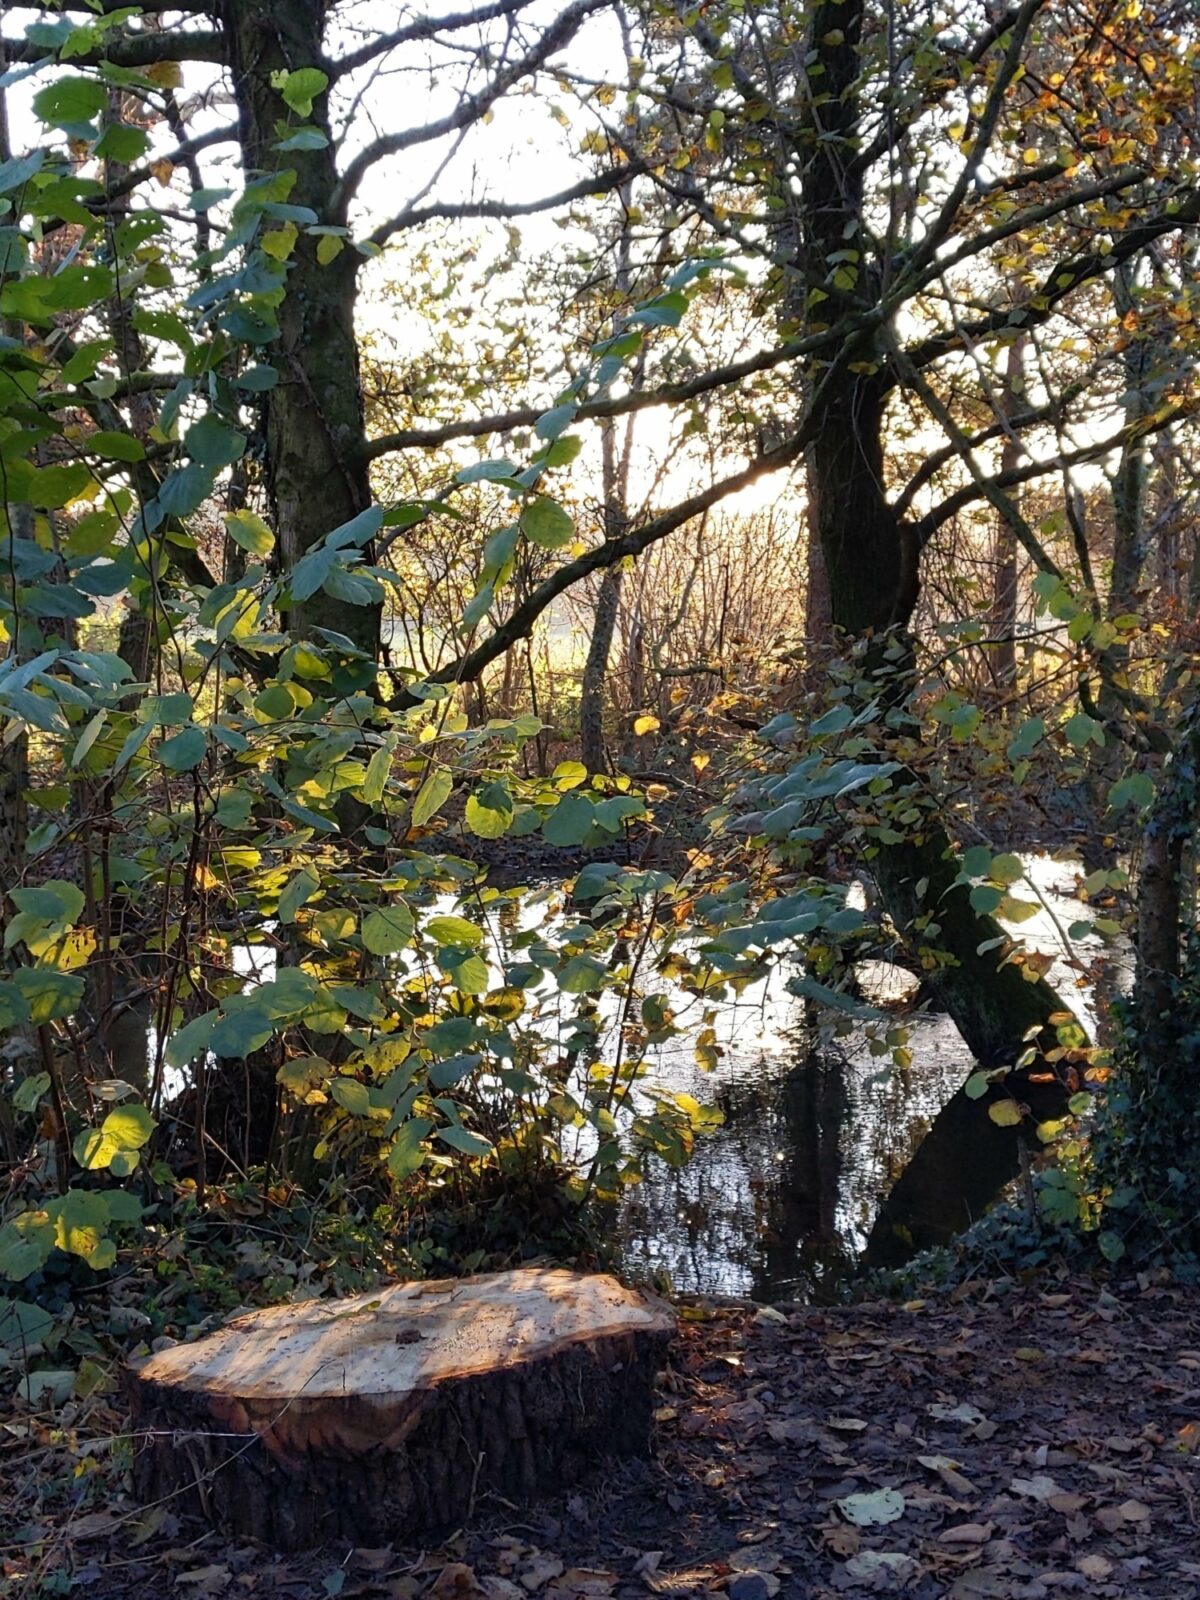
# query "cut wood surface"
(383, 1415)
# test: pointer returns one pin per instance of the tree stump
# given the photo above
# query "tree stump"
(385, 1416)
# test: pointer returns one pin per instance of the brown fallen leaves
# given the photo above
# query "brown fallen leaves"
(924, 1451)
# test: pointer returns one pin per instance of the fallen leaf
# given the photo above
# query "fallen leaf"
(872, 1509)
(967, 1533)
(1095, 1567)
(844, 1424)
(963, 1413)
(536, 1573)
(1134, 1511)
(948, 1473)
(1037, 1488)
(880, 1569)
(456, 1581)
(1067, 1503)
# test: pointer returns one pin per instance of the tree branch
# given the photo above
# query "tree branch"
(469, 666)
(622, 405)
(1060, 281)
(425, 28)
(982, 486)
(603, 183)
(128, 49)
(471, 108)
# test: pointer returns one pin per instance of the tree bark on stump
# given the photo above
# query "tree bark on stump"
(385, 1416)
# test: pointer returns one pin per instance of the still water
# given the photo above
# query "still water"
(779, 1202)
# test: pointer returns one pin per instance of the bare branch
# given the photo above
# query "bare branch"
(469, 666)
(988, 487)
(603, 183)
(622, 405)
(425, 28)
(472, 107)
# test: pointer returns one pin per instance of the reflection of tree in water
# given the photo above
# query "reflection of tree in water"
(801, 1244)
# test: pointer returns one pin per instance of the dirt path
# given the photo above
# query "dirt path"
(1009, 1444)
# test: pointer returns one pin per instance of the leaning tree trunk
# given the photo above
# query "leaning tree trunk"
(873, 570)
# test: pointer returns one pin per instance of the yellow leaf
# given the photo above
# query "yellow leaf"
(645, 724)
(162, 171)
(1005, 1113)
(167, 74)
(328, 247)
(281, 241)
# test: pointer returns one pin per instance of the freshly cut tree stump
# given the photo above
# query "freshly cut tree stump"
(384, 1416)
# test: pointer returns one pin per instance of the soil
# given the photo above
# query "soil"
(1003, 1442)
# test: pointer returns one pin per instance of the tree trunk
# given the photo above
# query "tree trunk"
(1003, 654)
(595, 672)
(314, 424)
(873, 571)
(381, 1418)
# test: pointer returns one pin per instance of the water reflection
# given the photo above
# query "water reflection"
(826, 1157)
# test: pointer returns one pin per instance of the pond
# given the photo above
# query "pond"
(780, 1202)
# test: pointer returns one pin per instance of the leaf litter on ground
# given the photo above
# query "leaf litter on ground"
(811, 1454)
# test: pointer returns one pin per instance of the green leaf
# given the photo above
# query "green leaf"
(986, 898)
(407, 1153)
(50, 995)
(546, 523)
(123, 144)
(454, 931)
(186, 490)
(297, 892)
(1006, 869)
(469, 973)
(664, 312)
(213, 443)
(489, 813)
(976, 1085)
(28, 1093)
(389, 929)
(1135, 789)
(351, 1095)
(23, 1324)
(569, 775)
(582, 975)
(111, 446)
(486, 472)
(56, 902)
(183, 751)
(571, 821)
(1005, 1113)
(471, 1144)
(432, 796)
(250, 532)
(376, 776)
(300, 88)
(191, 1040)
(1080, 729)
(26, 1243)
(555, 422)
(69, 101)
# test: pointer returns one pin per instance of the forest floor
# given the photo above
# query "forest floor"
(996, 1443)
